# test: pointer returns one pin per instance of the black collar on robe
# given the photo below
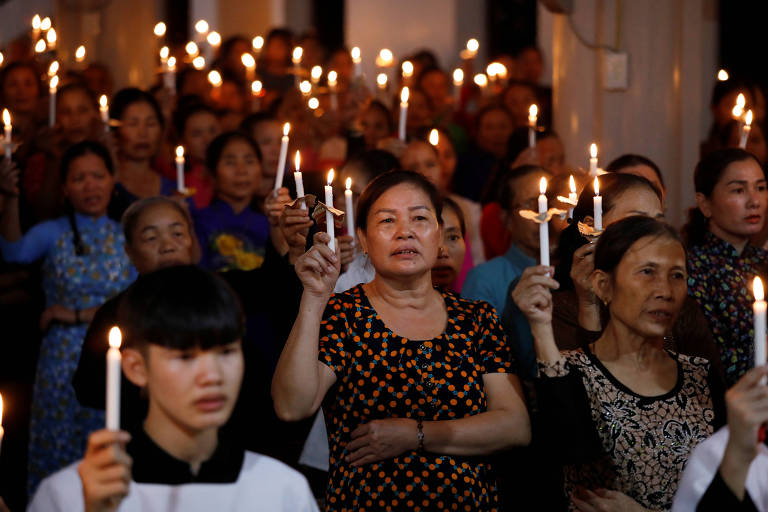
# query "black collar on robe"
(153, 465)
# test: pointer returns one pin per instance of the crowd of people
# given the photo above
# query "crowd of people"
(420, 357)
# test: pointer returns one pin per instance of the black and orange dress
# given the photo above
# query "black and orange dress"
(382, 375)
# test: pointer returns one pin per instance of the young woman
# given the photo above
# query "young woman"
(731, 198)
(197, 126)
(83, 265)
(622, 414)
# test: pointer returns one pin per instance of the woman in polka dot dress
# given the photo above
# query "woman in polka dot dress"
(417, 386)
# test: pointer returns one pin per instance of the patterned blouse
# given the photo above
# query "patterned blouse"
(610, 437)
(382, 375)
(720, 279)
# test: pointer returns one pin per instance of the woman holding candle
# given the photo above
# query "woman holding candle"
(198, 125)
(382, 441)
(83, 266)
(732, 196)
(623, 414)
(20, 90)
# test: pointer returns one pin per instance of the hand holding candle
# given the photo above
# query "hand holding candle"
(283, 156)
(329, 226)
(299, 180)
(350, 207)
(114, 361)
(180, 170)
(759, 315)
(8, 133)
(403, 113)
(598, 207)
(533, 113)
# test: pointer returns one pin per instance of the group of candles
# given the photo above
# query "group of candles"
(744, 118)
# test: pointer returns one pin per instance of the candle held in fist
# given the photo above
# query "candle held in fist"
(114, 360)
(329, 226)
(758, 311)
(598, 207)
(297, 177)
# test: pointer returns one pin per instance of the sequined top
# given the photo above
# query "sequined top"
(720, 279)
(610, 437)
(382, 375)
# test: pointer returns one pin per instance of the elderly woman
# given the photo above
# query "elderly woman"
(417, 385)
(622, 414)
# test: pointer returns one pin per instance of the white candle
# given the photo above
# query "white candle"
(256, 88)
(745, 129)
(169, 78)
(80, 54)
(481, 80)
(52, 86)
(350, 208)
(104, 110)
(356, 60)
(407, 69)
(758, 311)
(332, 76)
(283, 156)
(381, 82)
(544, 226)
(50, 37)
(598, 207)
(593, 159)
(533, 113)
(36, 22)
(298, 52)
(299, 180)
(572, 197)
(250, 66)
(258, 44)
(113, 379)
(180, 169)
(403, 113)
(330, 228)
(8, 133)
(458, 82)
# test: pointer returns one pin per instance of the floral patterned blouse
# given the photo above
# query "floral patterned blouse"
(382, 375)
(608, 436)
(720, 279)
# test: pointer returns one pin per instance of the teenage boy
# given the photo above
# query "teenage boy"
(182, 346)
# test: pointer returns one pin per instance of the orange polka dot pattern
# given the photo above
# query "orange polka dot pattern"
(381, 375)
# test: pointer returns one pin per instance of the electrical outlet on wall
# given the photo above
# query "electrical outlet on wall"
(615, 71)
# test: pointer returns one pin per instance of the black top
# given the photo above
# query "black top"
(719, 497)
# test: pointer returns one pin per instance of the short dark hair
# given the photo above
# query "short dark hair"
(493, 107)
(129, 96)
(81, 88)
(134, 211)
(381, 107)
(86, 147)
(373, 162)
(619, 237)
(21, 64)
(180, 307)
(455, 208)
(376, 188)
(632, 160)
(506, 194)
(187, 110)
(217, 145)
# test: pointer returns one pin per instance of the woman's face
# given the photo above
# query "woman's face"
(446, 155)
(736, 207)
(21, 90)
(375, 126)
(493, 132)
(648, 287)
(268, 135)
(201, 128)
(402, 234)
(518, 100)
(140, 131)
(450, 258)
(75, 115)
(435, 85)
(421, 158)
(161, 238)
(238, 172)
(88, 185)
(634, 201)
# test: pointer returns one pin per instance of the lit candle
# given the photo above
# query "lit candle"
(381, 82)
(758, 312)
(52, 86)
(214, 77)
(407, 69)
(35, 26)
(332, 76)
(315, 75)
(298, 52)
(2, 58)
(403, 113)
(385, 58)
(50, 37)
(164, 52)
(745, 130)
(256, 88)
(45, 24)
(598, 207)
(257, 43)
(2, 430)
(192, 49)
(330, 228)
(471, 51)
(299, 180)
(738, 109)
(458, 82)
(214, 39)
(8, 133)
(250, 66)
(198, 62)
(313, 103)
(80, 54)
(593, 159)
(201, 27)
(160, 29)
(722, 75)
(482, 82)
(104, 110)
(572, 197)
(113, 379)
(305, 87)
(53, 69)
(40, 46)
(434, 137)
(170, 75)
(544, 226)
(533, 113)
(356, 60)
(180, 169)
(283, 157)
(350, 207)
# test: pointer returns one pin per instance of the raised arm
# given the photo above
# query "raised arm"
(532, 295)
(301, 380)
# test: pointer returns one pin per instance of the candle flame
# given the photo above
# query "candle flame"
(160, 29)
(543, 185)
(286, 129)
(737, 111)
(80, 53)
(2, 58)
(179, 151)
(407, 69)
(316, 73)
(492, 69)
(331, 174)
(40, 46)
(434, 137)
(332, 75)
(381, 79)
(191, 48)
(103, 101)
(115, 337)
(473, 45)
(45, 24)
(198, 62)
(305, 87)
(51, 36)
(458, 76)
(248, 61)
(740, 100)
(748, 118)
(597, 186)
(313, 103)
(297, 161)
(201, 26)
(53, 68)
(404, 95)
(386, 55)
(533, 111)
(481, 80)
(54, 83)
(572, 184)
(6, 117)
(297, 54)
(172, 63)
(214, 77)
(593, 150)
(256, 87)
(164, 52)
(36, 22)
(722, 75)
(1, 410)
(213, 38)
(355, 54)
(757, 289)
(257, 43)
(348, 184)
